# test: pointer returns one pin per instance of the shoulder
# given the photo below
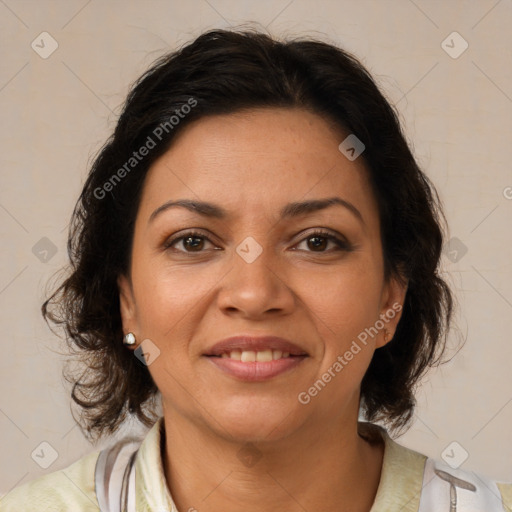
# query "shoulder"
(506, 494)
(443, 482)
(71, 488)
(418, 483)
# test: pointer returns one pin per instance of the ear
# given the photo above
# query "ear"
(127, 305)
(393, 298)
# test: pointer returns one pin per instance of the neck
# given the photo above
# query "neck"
(319, 468)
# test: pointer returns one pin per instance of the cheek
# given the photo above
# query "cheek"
(344, 299)
(343, 305)
(167, 294)
(170, 304)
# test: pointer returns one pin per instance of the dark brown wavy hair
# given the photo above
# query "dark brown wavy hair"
(225, 71)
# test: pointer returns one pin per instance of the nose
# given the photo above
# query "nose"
(257, 288)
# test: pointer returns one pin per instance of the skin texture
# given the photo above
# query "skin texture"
(185, 299)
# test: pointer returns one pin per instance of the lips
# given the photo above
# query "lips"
(255, 344)
(254, 359)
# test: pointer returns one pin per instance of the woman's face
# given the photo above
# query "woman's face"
(254, 267)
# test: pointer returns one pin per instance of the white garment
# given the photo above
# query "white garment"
(456, 490)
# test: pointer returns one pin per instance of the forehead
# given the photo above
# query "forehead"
(257, 160)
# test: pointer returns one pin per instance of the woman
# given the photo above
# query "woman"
(256, 250)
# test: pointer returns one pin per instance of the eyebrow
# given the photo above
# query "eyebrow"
(201, 207)
(290, 210)
(313, 205)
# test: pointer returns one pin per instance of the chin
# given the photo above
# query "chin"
(256, 421)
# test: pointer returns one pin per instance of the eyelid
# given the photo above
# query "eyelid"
(337, 238)
(185, 233)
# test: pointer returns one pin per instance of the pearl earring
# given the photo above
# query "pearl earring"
(129, 339)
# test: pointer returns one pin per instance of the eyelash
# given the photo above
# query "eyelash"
(188, 234)
(341, 244)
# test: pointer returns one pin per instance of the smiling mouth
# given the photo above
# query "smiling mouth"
(260, 356)
(252, 358)
(247, 348)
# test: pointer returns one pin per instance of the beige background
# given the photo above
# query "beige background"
(56, 113)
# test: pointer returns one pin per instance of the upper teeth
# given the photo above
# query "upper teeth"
(260, 356)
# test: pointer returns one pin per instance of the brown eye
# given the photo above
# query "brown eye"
(195, 243)
(190, 242)
(317, 243)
